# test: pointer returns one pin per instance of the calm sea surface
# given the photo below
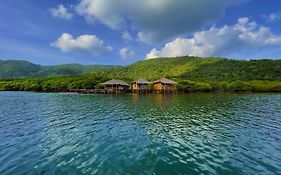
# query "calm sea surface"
(140, 134)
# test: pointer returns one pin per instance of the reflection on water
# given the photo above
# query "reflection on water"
(160, 99)
(140, 134)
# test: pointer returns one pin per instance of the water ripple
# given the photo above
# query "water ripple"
(140, 134)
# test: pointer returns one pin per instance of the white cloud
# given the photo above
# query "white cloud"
(146, 37)
(66, 43)
(127, 36)
(273, 17)
(155, 20)
(126, 53)
(61, 12)
(242, 37)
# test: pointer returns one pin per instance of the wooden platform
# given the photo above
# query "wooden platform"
(105, 91)
(99, 91)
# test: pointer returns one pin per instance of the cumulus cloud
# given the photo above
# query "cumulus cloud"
(61, 12)
(273, 17)
(242, 37)
(126, 53)
(155, 20)
(127, 36)
(67, 43)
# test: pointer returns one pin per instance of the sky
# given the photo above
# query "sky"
(120, 32)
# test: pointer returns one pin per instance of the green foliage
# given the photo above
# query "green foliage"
(226, 70)
(192, 86)
(161, 67)
(266, 86)
(240, 86)
(53, 84)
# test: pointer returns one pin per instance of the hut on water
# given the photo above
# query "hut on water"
(140, 85)
(115, 85)
(164, 85)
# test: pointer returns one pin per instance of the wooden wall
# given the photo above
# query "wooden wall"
(136, 86)
(160, 87)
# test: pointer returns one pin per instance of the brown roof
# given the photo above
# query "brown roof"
(165, 81)
(115, 82)
(141, 81)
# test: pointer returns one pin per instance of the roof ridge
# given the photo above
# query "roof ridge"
(165, 80)
(115, 81)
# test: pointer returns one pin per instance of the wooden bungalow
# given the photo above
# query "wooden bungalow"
(140, 86)
(116, 86)
(164, 85)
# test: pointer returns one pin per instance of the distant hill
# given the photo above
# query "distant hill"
(19, 69)
(69, 69)
(195, 68)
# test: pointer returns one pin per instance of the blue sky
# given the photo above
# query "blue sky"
(124, 31)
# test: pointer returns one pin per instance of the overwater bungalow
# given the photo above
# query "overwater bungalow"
(164, 85)
(116, 86)
(140, 86)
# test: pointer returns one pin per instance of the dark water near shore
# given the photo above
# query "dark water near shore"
(140, 134)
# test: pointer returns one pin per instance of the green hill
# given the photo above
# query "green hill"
(20, 69)
(17, 68)
(195, 68)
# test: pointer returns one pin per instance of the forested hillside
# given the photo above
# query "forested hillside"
(195, 68)
(17, 68)
(20, 69)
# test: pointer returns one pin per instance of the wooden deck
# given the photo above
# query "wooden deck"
(106, 91)
(99, 91)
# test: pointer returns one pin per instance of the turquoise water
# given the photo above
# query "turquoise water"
(140, 134)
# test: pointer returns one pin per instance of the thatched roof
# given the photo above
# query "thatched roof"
(141, 81)
(115, 82)
(165, 81)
